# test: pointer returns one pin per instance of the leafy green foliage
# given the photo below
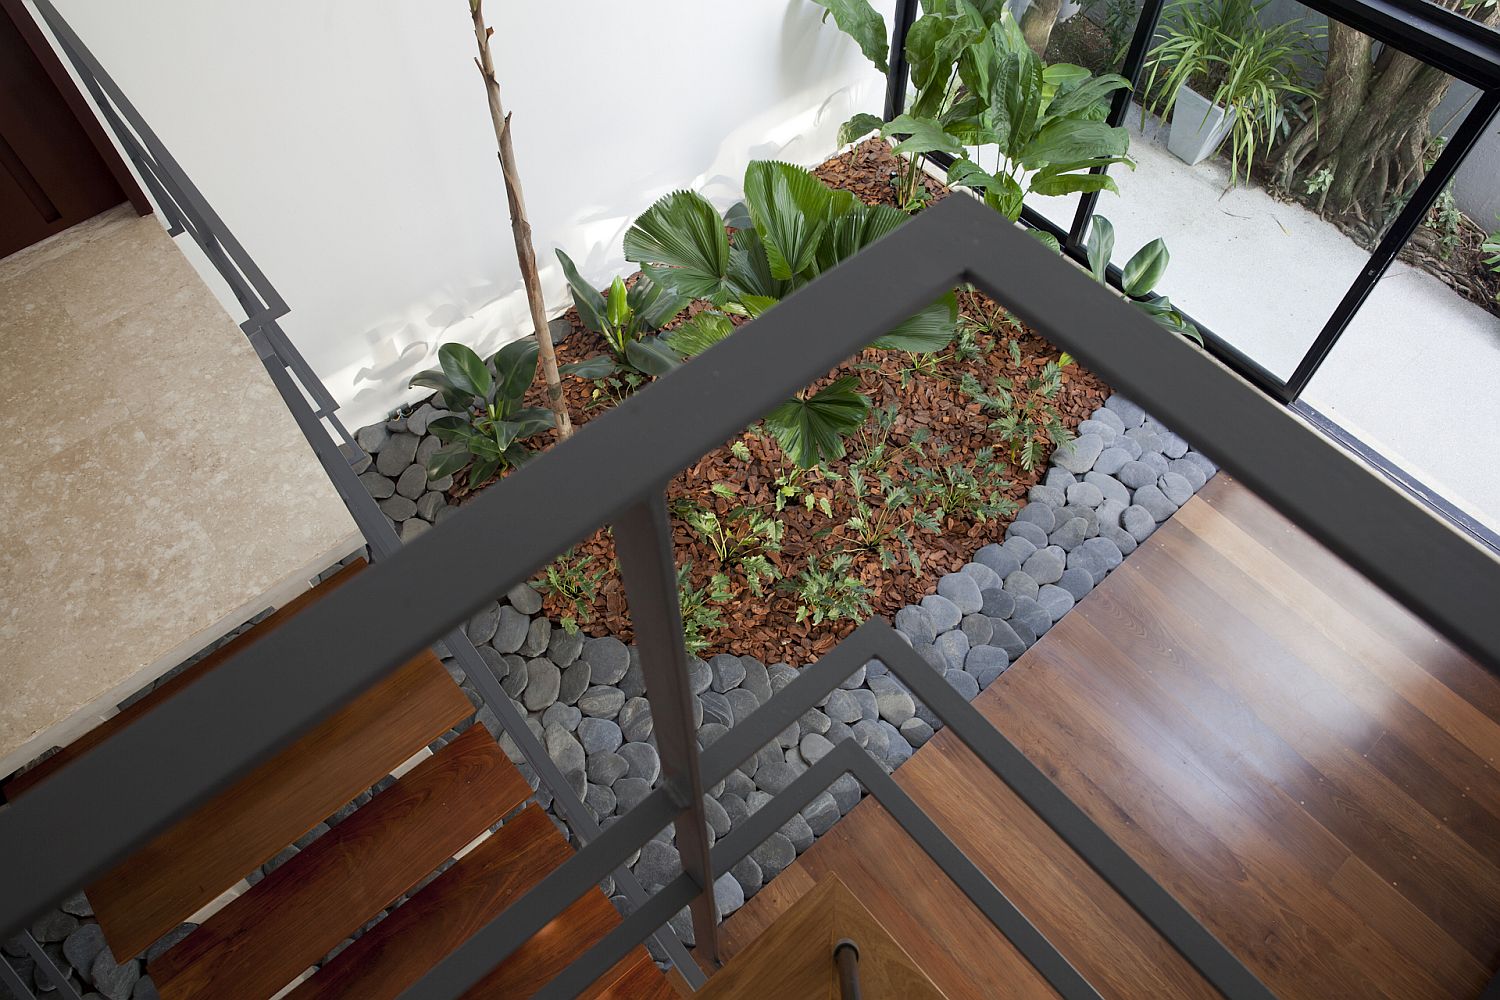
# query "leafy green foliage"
(573, 579)
(486, 424)
(1027, 417)
(1224, 50)
(960, 490)
(1491, 246)
(700, 616)
(740, 537)
(830, 594)
(795, 228)
(626, 319)
(887, 512)
(1138, 277)
(861, 22)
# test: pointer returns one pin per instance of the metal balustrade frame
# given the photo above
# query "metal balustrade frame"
(267, 695)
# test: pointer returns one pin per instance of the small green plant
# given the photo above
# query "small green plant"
(486, 423)
(1139, 276)
(830, 594)
(740, 537)
(886, 512)
(573, 579)
(1223, 50)
(700, 616)
(627, 319)
(1119, 26)
(958, 489)
(1028, 420)
(1491, 246)
(1319, 181)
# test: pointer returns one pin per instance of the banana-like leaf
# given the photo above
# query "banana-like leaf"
(448, 460)
(1085, 94)
(680, 242)
(1144, 270)
(617, 307)
(1063, 75)
(698, 334)
(651, 356)
(1100, 247)
(515, 367)
(655, 305)
(923, 135)
(586, 298)
(863, 23)
(860, 125)
(465, 370)
(600, 366)
(927, 332)
(812, 430)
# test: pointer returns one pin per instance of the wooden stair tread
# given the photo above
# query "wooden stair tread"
(397, 951)
(268, 936)
(192, 862)
(635, 978)
(21, 783)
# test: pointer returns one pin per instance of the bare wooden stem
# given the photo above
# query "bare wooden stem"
(519, 223)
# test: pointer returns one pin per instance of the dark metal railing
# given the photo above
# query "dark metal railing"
(267, 695)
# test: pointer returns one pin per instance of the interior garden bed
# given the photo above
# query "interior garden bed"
(952, 481)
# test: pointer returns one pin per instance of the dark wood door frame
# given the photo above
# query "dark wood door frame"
(77, 103)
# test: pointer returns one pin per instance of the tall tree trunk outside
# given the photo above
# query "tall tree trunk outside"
(1371, 131)
(520, 225)
(1037, 24)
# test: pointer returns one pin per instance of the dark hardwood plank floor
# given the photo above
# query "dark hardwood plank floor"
(1304, 764)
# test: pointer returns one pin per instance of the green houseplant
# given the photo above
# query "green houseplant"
(627, 319)
(487, 423)
(1221, 74)
(1138, 277)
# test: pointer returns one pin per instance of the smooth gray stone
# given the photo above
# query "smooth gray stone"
(728, 671)
(897, 749)
(743, 703)
(963, 683)
(1021, 584)
(1105, 415)
(566, 716)
(607, 768)
(821, 813)
(1036, 619)
(997, 603)
(1155, 503)
(607, 657)
(412, 482)
(77, 904)
(1097, 557)
(841, 706)
(1055, 601)
(718, 819)
(1109, 513)
(1137, 474)
(1007, 639)
(1078, 455)
(716, 708)
(916, 624)
(985, 663)
(798, 832)
(1129, 413)
(659, 863)
(84, 945)
(635, 719)
(430, 505)
(700, 676)
(1106, 431)
(565, 750)
(1028, 531)
(599, 735)
(1040, 515)
(846, 792)
(643, 761)
(1077, 581)
(1023, 631)
(538, 635)
(1068, 537)
(1109, 487)
(397, 454)
(1020, 548)
(423, 415)
(1041, 493)
(1148, 439)
(982, 574)
(412, 527)
(1060, 478)
(867, 707)
(600, 799)
(1175, 488)
(524, 598)
(629, 793)
(952, 647)
(774, 777)
(748, 874)
(377, 486)
(1046, 565)
(1203, 462)
(1123, 539)
(1138, 521)
(895, 706)
(542, 682)
(601, 701)
(978, 629)
(429, 446)
(814, 747)
(757, 679)
(398, 508)
(1157, 461)
(1001, 560)
(575, 681)
(944, 613)
(372, 438)
(710, 733)
(1085, 494)
(774, 855)
(1189, 470)
(53, 926)
(739, 783)
(565, 647)
(511, 629)
(1131, 446)
(963, 591)
(815, 721)
(111, 980)
(1172, 445)
(916, 732)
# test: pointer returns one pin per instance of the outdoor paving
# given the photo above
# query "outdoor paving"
(1415, 375)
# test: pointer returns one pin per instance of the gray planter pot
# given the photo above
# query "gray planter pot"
(1198, 126)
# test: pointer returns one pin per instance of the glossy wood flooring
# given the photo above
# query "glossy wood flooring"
(1301, 762)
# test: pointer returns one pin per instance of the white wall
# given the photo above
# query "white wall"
(348, 144)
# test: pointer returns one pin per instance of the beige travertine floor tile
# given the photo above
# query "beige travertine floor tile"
(155, 488)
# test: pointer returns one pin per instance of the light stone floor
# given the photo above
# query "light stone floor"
(156, 494)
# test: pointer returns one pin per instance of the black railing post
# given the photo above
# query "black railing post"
(643, 542)
(846, 960)
(895, 77)
(1406, 222)
(1132, 68)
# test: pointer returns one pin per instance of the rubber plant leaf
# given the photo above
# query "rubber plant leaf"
(600, 366)
(1144, 270)
(651, 357)
(448, 460)
(812, 430)
(863, 23)
(653, 304)
(453, 398)
(465, 370)
(1100, 247)
(515, 367)
(586, 298)
(681, 243)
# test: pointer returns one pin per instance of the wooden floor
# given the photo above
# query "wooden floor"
(1302, 763)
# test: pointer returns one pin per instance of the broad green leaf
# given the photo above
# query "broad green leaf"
(1144, 270)
(1068, 139)
(853, 232)
(863, 23)
(586, 297)
(755, 305)
(531, 420)
(448, 460)
(453, 397)
(791, 209)
(482, 471)
(1072, 183)
(860, 125)
(750, 268)
(465, 370)
(698, 334)
(681, 243)
(969, 174)
(515, 367)
(927, 332)
(923, 135)
(1100, 246)
(812, 430)
(1046, 239)
(650, 356)
(653, 304)
(617, 305)
(451, 428)
(601, 366)
(1085, 95)
(1061, 75)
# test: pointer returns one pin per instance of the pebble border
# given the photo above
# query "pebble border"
(1104, 493)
